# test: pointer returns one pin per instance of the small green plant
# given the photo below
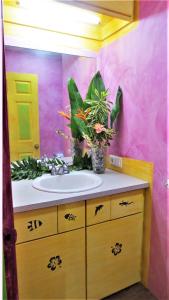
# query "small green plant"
(30, 168)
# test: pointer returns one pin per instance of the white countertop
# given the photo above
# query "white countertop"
(25, 197)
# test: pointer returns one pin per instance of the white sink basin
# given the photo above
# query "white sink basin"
(76, 181)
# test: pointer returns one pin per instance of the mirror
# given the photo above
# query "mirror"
(37, 91)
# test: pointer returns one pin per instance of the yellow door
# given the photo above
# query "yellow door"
(23, 116)
(113, 255)
(52, 267)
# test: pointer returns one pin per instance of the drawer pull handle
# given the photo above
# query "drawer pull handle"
(116, 249)
(34, 224)
(70, 217)
(125, 203)
(98, 208)
(54, 262)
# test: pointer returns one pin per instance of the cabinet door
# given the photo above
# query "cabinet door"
(113, 255)
(52, 267)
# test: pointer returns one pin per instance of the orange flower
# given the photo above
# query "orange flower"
(65, 115)
(82, 115)
(99, 128)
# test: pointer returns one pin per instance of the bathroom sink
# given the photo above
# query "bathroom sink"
(76, 181)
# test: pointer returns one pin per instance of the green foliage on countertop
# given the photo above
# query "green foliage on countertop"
(30, 168)
(82, 162)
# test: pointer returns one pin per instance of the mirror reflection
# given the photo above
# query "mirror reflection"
(36, 92)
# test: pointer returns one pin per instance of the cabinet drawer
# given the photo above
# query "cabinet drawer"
(71, 216)
(127, 204)
(53, 267)
(35, 224)
(97, 210)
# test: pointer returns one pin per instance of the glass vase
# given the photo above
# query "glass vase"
(98, 159)
(77, 148)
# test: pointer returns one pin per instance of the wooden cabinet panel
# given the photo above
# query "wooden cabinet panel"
(52, 267)
(113, 255)
(97, 210)
(35, 224)
(71, 216)
(126, 204)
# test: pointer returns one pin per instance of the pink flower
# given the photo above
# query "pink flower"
(99, 128)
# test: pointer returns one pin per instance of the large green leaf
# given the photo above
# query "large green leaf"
(76, 103)
(117, 107)
(76, 132)
(81, 125)
(95, 84)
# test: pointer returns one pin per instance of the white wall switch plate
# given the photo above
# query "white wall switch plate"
(116, 161)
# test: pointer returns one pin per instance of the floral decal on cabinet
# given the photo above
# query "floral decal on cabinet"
(54, 262)
(117, 248)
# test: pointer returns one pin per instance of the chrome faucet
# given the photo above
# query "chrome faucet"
(59, 170)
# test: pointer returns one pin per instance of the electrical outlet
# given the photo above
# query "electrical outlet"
(116, 161)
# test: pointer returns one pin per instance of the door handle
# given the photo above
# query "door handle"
(36, 146)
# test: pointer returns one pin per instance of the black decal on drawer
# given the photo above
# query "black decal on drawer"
(70, 217)
(34, 224)
(125, 203)
(117, 248)
(98, 208)
(54, 262)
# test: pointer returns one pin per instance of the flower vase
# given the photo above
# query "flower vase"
(77, 148)
(98, 159)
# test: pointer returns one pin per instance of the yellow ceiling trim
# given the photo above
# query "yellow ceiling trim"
(24, 17)
(19, 24)
(113, 26)
(124, 29)
(37, 37)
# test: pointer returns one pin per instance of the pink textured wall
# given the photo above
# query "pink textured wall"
(82, 69)
(48, 67)
(138, 63)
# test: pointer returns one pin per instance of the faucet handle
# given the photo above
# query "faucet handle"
(58, 155)
(65, 168)
(53, 170)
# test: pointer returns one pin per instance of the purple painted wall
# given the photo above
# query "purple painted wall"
(138, 63)
(48, 67)
(82, 69)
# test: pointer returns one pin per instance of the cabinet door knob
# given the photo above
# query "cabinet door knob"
(36, 146)
(70, 217)
(116, 249)
(54, 261)
(125, 203)
(98, 208)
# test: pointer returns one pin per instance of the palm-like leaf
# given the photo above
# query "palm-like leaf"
(117, 107)
(76, 103)
(95, 84)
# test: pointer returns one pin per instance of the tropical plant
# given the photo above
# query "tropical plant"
(93, 120)
(30, 168)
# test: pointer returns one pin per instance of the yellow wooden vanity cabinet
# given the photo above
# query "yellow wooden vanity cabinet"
(88, 249)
